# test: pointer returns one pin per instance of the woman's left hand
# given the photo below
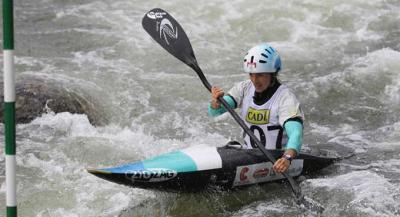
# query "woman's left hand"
(281, 165)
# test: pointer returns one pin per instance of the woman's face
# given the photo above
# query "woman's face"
(261, 81)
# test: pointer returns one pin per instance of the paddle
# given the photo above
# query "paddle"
(163, 28)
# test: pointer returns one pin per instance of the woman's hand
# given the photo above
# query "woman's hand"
(281, 165)
(216, 92)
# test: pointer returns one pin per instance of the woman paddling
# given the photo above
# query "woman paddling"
(269, 108)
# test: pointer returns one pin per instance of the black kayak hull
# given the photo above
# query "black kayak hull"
(198, 167)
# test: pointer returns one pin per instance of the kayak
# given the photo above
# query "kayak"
(197, 167)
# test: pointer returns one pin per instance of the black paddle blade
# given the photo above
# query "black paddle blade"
(169, 34)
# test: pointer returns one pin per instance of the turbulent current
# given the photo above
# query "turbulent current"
(342, 59)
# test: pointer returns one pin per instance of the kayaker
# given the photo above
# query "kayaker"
(270, 109)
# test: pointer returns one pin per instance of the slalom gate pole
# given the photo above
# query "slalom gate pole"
(9, 107)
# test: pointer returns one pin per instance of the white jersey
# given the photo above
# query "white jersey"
(266, 120)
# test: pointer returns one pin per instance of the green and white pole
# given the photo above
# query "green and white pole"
(9, 106)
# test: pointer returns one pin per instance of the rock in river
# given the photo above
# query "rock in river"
(35, 96)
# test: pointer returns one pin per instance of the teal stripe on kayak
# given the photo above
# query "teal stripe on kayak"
(178, 161)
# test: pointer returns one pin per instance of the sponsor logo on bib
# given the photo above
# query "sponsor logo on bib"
(257, 117)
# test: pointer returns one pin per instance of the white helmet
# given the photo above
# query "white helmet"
(262, 59)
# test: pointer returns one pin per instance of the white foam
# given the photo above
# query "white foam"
(57, 148)
(371, 194)
(385, 60)
(56, 166)
(3, 187)
(343, 129)
(64, 123)
(393, 92)
(384, 138)
(264, 209)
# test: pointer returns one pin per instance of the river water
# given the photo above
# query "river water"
(342, 58)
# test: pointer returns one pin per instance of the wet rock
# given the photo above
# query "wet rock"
(36, 96)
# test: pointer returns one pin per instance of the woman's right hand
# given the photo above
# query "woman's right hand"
(216, 92)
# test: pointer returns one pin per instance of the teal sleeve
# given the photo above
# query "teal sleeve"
(216, 112)
(294, 131)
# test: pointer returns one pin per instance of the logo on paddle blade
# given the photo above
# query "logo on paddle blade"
(167, 30)
(154, 15)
